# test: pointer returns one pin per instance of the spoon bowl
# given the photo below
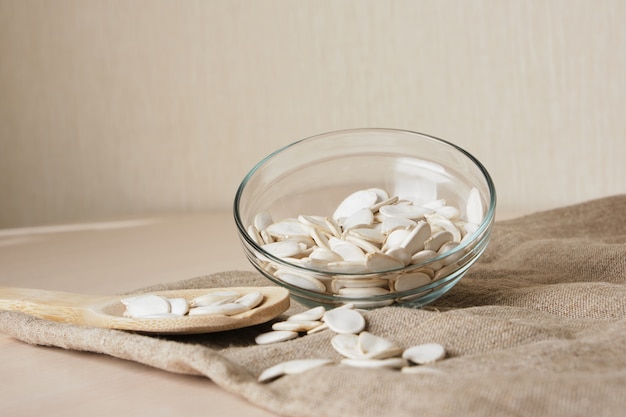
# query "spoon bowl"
(107, 311)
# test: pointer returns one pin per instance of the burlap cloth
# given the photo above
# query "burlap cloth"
(536, 328)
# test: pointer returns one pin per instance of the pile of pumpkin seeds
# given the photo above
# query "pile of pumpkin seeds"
(370, 238)
(358, 347)
(226, 302)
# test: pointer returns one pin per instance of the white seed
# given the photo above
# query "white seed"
(385, 202)
(362, 292)
(375, 347)
(381, 194)
(254, 234)
(291, 367)
(359, 218)
(265, 237)
(428, 271)
(354, 202)
(275, 337)
(451, 258)
(128, 300)
(423, 256)
(363, 244)
(470, 228)
(215, 298)
(414, 241)
(373, 304)
(411, 281)
(389, 224)
(437, 240)
(474, 207)
(435, 204)
(334, 227)
(400, 254)
(380, 262)
(301, 281)
(285, 248)
(306, 240)
(438, 222)
(347, 344)
(326, 255)
(348, 267)
(392, 363)
(405, 211)
(447, 247)
(374, 236)
(262, 220)
(178, 306)
(395, 239)
(228, 309)
(320, 239)
(317, 329)
(250, 300)
(312, 263)
(449, 212)
(426, 353)
(316, 222)
(296, 325)
(445, 271)
(146, 305)
(344, 321)
(348, 251)
(287, 228)
(338, 284)
(313, 314)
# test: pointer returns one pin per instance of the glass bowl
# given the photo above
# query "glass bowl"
(299, 189)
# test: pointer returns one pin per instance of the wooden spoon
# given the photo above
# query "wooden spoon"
(107, 311)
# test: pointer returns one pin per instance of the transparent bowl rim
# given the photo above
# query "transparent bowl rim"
(480, 231)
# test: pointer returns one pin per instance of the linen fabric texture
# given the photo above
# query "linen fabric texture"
(537, 327)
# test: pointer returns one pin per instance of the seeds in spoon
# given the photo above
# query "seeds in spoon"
(146, 305)
(215, 298)
(178, 306)
(225, 302)
(228, 309)
(250, 300)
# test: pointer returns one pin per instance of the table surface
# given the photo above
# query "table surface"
(112, 257)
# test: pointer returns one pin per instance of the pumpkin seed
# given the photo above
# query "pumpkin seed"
(291, 367)
(344, 321)
(370, 232)
(424, 354)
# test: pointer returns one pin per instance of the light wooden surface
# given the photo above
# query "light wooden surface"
(111, 258)
(112, 108)
(102, 258)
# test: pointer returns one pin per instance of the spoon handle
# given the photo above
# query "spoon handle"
(50, 305)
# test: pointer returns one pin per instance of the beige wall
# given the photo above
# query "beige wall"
(111, 108)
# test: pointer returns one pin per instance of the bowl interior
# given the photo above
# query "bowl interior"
(312, 176)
